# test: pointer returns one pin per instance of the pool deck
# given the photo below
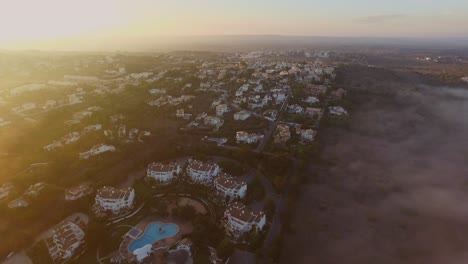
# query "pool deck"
(184, 228)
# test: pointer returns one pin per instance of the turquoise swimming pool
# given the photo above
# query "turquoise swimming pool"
(154, 232)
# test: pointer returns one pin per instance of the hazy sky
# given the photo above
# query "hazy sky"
(58, 23)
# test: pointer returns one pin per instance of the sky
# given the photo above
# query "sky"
(72, 24)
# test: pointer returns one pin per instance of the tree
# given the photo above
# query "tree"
(225, 249)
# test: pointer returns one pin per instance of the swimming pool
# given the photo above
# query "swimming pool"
(154, 232)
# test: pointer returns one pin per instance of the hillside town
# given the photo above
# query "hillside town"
(137, 161)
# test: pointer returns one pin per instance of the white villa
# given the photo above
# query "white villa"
(5, 190)
(337, 111)
(66, 239)
(227, 185)
(307, 134)
(248, 138)
(202, 172)
(163, 172)
(221, 109)
(241, 115)
(76, 192)
(19, 202)
(113, 200)
(96, 150)
(240, 219)
(213, 121)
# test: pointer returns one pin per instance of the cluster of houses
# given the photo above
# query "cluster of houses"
(67, 241)
(97, 150)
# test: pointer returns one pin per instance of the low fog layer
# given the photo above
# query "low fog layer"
(397, 191)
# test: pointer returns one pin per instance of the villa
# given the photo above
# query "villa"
(113, 200)
(65, 241)
(35, 189)
(241, 115)
(96, 150)
(314, 112)
(316, 89)
(221, 109)
(229, 186)
(337, 111)
(282, 133)
(163, 172)
(19, 202)
(248, 138)
(202, 172)
(307, 134)
(213, 121)
(240, 219)
(78, 191)
(5, 190)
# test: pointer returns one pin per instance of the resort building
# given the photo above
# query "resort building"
(77, 192)
(307, 134)
(229, 186)
(316, 90)
(163, 172)
(213, 121)
(35, 189)
(5, 190)
(241, 115)
(240, 219)
(113, 200)
(337, 111)
(65, 241)
(248, 138)
(96, 150)
(221, 109)
(19, 202)
(202, 172)
(314, 112)
(282, 133)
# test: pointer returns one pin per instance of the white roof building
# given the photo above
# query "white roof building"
(5, 190)
(163, 172)
(221, 109)
(202, 172)
(113, 200)
(229, 186)
(65, 241)
(337, 111)
(248, 138)
(76, 192)
(96, 150)
(242, 115)
(19, 202)
(240, 219)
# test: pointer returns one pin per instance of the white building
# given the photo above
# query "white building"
(96, 150)
(240, 219)
(248, 138)
(113, 200)
(221, 109)
(91, 128)
(202, 172)
(35, 189)
(337, 111)
(54, 145)
(76, 192)
(213, 121)
(307, 134)
(5, 190)
(163, 172)
(65, 241)
(314, 112)
(295, 109)
(19, 202)
(241, 115)
(229, 186)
